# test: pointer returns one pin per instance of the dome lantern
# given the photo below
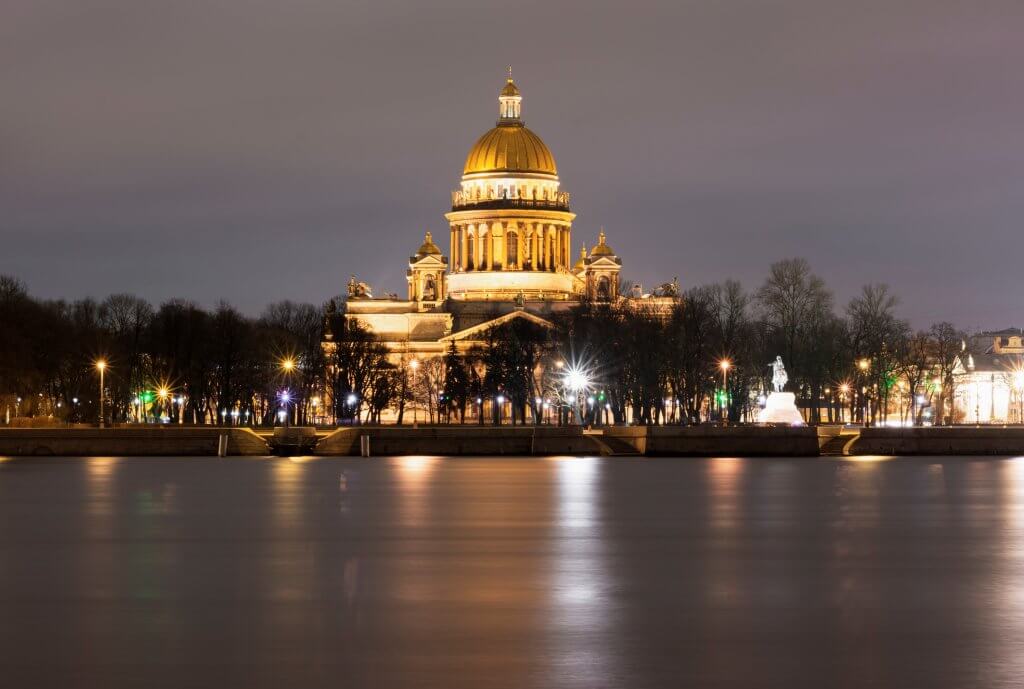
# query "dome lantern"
(509, 102)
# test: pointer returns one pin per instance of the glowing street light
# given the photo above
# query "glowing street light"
(288, 365)
(285, 397)
(577, 380)
(725, 365)
(101, 366)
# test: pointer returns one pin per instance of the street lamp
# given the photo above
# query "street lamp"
(163, 393)
(577, 380)
(414, 365)
(101, 366)
(283, 414)
(351, 402)
(725, 364)
(1018, 385)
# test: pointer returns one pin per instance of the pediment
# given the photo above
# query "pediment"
(470, 333)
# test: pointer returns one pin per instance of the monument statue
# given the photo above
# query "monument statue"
(780, 407)
(779, 377)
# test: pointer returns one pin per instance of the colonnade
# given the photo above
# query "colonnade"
(530, 246)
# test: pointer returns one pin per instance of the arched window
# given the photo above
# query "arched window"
(511, 251)
(603, 288)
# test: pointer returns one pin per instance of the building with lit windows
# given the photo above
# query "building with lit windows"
(509, 251)
(990, 379)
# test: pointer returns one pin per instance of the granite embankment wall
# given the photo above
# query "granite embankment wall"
(126, 442)
(941, 440)
(715, 441)
(461, 440)
(547, 440)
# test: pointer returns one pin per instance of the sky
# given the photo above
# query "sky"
(259, 150)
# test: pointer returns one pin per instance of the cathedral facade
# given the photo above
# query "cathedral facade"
(509, 251)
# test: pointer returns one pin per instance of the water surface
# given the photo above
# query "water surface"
(560, 572)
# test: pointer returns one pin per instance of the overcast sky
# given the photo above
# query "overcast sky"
(256, 150)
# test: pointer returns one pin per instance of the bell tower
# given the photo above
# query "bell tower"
(427, 274)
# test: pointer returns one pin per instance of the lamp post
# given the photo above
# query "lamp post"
(285, 398)
(578, 382)
(844, 390)
(101, 366)
(863, 365)
(1018, 385)
(163, 393)
(725, 364)
(414, 365)
(288, 366)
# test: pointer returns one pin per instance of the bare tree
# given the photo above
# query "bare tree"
(948, 344)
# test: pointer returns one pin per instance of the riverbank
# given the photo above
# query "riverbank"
(667, 441)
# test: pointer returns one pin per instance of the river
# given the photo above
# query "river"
(512, 572)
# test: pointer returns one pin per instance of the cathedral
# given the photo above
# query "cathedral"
(509, 251)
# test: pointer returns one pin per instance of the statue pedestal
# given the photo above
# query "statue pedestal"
(781, 408)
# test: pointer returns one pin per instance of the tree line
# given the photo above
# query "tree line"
(642, 361)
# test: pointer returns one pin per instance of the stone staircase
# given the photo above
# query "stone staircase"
(839, 445)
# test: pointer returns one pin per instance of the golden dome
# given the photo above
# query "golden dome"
(510, 146)
(601, 249)
(428, 247)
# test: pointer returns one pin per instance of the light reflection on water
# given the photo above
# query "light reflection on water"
(492, 572)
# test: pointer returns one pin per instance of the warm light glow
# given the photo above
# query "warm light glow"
(1018, 379)
(724, 364)
(162, 393)
(414, 364)
(288, 365)
(101, 365)
(844, 388)
(863, 364)
(576, 379)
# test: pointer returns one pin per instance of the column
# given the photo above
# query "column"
(497, 246)
(463, 239)
(520, 245)
(551, 248)
(485, 247)
(453, 245)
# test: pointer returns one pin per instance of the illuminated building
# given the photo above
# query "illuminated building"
(990, 382)
(509, 253)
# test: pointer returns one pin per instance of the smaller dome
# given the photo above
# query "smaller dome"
(510, 90)
(582, 262)
(601, 249)
(428, 247)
